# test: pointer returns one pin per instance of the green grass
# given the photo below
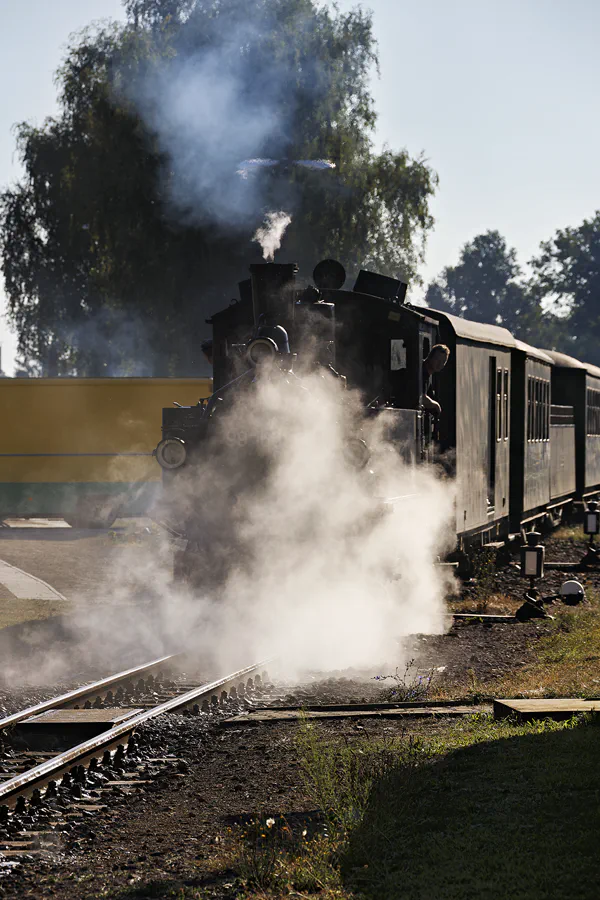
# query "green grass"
(567, 662)
(488, 810)
(16, 612)
(569, 533)
(508, 815)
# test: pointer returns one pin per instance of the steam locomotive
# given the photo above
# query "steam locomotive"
(519, 428)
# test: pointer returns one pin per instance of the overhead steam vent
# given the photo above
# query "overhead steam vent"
(329, 275)
(273, 292)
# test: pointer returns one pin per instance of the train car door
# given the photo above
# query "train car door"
(493, 416)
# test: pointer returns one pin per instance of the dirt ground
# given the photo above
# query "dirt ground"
(109, 579)
(175, 832)
(178, 831)
(76, 562)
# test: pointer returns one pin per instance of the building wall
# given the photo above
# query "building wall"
(65, 437)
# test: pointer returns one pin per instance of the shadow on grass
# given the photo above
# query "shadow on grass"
(517, 817)
(153, 890)
(175, 889)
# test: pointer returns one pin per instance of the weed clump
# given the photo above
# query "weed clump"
(409, 686)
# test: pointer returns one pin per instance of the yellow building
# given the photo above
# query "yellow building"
(81, 448)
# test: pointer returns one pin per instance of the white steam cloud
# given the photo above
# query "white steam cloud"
(313, 560)
(270, 235)
(332, 575)
(209, 108)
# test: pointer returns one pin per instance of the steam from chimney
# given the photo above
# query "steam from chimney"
(270, 235)
(211, 106)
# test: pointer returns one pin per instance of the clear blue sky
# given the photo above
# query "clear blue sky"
(501, 95)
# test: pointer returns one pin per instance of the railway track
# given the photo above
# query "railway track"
(42, 791)
(98, 693)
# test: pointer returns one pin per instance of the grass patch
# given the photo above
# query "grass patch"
(489, 810)
(15, 612)
(277, 858)
(566, 664)
(567, 661)
(510, 813)
(569, 533)
(280, 857)
(493, 604)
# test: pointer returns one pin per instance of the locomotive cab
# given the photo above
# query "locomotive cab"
(376, 341)
(381, 345)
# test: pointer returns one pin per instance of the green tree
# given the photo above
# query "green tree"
(436, 297)
(567, 275)
(131, 224)
(487, 286)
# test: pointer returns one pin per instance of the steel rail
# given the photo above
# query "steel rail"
(86, 690)
(52, 769)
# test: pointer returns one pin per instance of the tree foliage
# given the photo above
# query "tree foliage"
(114, 252)
(486, 286)
(567, 273)
(558, 308)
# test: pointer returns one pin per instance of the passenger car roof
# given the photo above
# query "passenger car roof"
(477, 331)
(592, 370)
(541, 355)
(569, 362)
(564, 361)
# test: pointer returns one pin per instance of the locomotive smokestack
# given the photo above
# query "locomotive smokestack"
(273, 292)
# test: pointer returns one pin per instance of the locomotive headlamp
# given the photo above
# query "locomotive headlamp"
(260, 350)
(591, 519)
(532, 557)
(171, 453)
(357, 453)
